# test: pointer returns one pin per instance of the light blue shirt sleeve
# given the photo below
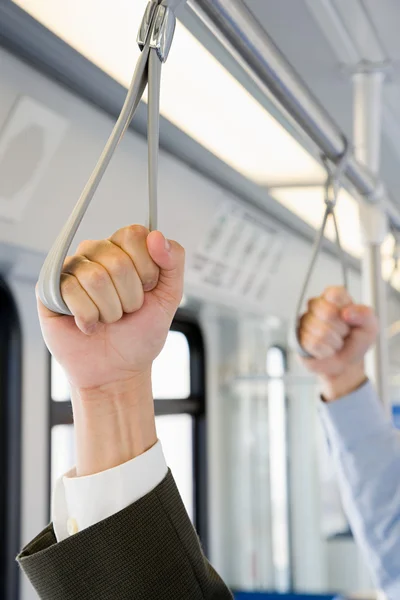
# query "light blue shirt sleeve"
(366, 451)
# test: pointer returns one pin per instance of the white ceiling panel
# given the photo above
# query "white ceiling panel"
(361, 28)
(296, 33)
(385, 15)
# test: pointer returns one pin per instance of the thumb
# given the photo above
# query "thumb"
(360, 316)
(170, 257)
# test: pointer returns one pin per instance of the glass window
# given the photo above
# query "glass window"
(60, 391)
(176, 435)
(171, 369)
(62, 451)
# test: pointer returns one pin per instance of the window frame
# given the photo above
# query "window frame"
(60, 413)
(10, 441)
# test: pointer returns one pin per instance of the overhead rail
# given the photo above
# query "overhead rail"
(243, 36)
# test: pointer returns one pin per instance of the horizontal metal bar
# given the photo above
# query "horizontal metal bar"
(61, 412)
(191, 406)
(244, 37)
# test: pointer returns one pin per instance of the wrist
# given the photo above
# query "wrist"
(113, 423)
(334, 388)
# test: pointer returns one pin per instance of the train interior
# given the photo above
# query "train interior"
(242, 189)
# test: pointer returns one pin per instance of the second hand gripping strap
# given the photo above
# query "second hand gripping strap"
(332, 189)
(155, 38)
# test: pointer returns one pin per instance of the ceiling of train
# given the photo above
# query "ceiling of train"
(323, 39)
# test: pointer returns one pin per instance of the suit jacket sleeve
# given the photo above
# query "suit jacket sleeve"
(148, 551)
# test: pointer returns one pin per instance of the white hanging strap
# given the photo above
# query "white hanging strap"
(332, 189)
(154, 39)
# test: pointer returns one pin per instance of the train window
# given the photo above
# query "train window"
(59, 384)
(171, 370)
(62, 451)
(10, 443)
(279, 477)
(179, 456)
(178, 390)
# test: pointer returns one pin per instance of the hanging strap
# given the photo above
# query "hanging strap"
(155, 38)
(332, 189)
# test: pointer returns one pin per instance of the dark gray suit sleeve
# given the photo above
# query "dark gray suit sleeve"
(148, 551)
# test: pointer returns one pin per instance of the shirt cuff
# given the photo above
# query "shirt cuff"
(80, 502)
(354, 417)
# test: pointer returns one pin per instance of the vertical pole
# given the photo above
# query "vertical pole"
(367, 140)
(215, 440)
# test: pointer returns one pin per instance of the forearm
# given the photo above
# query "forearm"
(113, 424)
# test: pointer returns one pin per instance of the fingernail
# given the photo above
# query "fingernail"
(150, 285)
(167, 245)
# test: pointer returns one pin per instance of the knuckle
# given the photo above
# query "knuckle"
(135, 232)
(97, 277)
(69, 285)
(85, 246)
(332, 289)
(328, 310)
(335, 291)
(337, 295)
(311, 303)
(120, 265)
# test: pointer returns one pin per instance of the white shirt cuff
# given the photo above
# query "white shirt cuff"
(79, 502)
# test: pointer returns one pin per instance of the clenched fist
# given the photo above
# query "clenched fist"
(123, 293)
(338, 334)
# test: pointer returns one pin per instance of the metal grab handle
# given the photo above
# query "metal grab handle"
(154, 39)
(332, 189)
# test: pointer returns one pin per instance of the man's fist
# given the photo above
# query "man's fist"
(338, 334)
(123, 293)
